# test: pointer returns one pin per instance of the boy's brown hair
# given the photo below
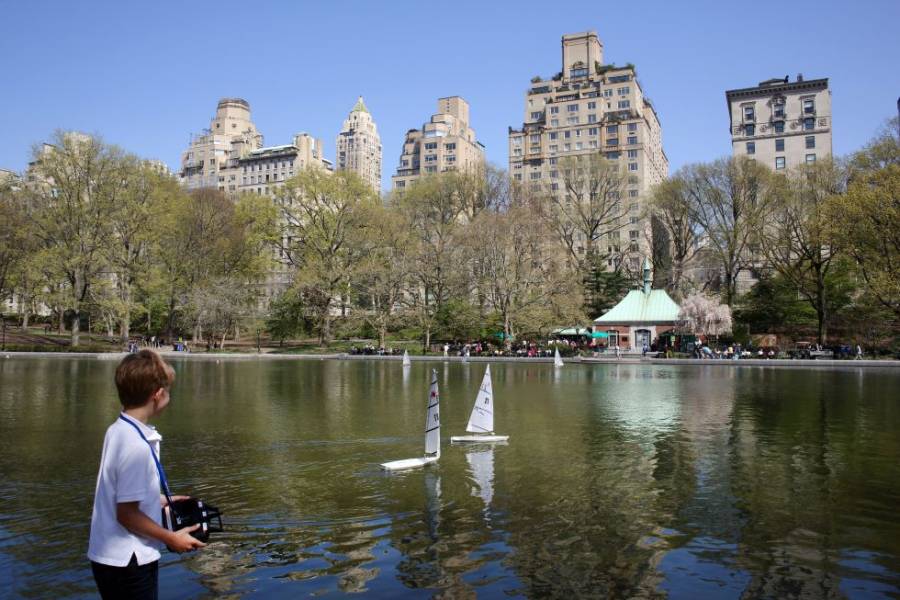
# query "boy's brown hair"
(140, 375)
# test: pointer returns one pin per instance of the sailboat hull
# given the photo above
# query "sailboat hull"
(408, 463)
(478, 439)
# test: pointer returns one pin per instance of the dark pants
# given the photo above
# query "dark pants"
(132, 581)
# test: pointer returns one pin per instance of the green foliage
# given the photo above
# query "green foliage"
(457, 319)
(287, 317)
(772, 306)
(603, 289)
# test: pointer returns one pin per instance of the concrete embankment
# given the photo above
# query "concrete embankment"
(624, 360)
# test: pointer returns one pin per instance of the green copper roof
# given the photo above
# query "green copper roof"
(642, 307)
(360, 106)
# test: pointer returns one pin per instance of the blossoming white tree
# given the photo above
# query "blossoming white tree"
(705, 316)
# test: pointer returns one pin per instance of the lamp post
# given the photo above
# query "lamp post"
(257, 341)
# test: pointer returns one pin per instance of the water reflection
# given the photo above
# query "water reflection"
(618, 481)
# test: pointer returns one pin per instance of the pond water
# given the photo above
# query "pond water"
(617, 481)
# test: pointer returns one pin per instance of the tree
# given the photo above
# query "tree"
(383, 272)
(587, 208)
(203, 237)
(520, 270)
(15, 242)
(287, 316)
(603, 289)
(130, 221)
(729, 200)
(670, 207)
(704, 316)
(324, 225)
(867, 217)
(434, 210)
(798, 238)
(79, 184)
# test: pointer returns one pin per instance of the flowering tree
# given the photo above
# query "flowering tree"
(702, 315)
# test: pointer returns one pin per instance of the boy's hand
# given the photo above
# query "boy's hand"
(164, 502)
(183, 541)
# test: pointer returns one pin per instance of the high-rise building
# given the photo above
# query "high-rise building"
(211, 160)
(781, 123)
(445, 143)
(263, 170)
(592, 108)
(359, 147)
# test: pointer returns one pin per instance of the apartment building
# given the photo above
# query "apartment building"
(263, 170)
(591, 107)
(781, 123)
(211, 159)
(445, 143)
(359, 146)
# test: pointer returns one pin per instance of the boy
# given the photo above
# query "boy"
(125, 526)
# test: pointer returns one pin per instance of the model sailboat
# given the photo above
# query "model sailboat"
(557, 359)
(481, 421)
(406, 361)
(432, 433)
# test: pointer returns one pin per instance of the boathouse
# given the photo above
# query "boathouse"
(640, 317)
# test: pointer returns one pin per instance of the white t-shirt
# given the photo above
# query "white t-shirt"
(127, 474)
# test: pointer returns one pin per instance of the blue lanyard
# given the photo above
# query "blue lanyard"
(159, 469)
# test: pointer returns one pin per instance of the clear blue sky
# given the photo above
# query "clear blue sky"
(146, 75)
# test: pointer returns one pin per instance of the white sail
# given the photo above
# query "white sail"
(433, 419)
(482, 418)
(557, 359)
(406, 361)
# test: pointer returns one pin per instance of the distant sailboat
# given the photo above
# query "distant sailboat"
(432, 433)
(481, 421)
(557, 359)
(406, 361)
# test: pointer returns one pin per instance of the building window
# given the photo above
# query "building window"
(809, 106)
(612, 142)
(593, 131)
(623, 91)
(554, 174)
(535, 175)
(567, 147)
(592, 105)
(633, 235)
(552, 161)
(554, 148)
(809, 124)
(624, 104)
(612, 129)
(554, 135)
(779, 162)
(612, 155)
(749, 129)
(779, 126)
(632, 127)
(810, 142)
(554, 110)
(751, 147)
(572, 108)
(778, 110)
(632, 139)
(535, 138)
(632, 154)
(810, 158)
(607, 93)
(593, 144)
(592, 118)
(749, 113)
(578, 133)
(580, 72)
(632, 166)
(536, 115)
(572, 120)
(554, 122)
(779, 145)
(567, 134)
(633, 194)
(431, 146)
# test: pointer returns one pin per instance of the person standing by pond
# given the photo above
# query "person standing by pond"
(126, 530)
